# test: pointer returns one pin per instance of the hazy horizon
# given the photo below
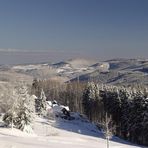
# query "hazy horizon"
(49, 30)
(28, 57)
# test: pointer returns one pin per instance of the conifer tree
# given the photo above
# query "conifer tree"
(90, 100)
(41, 104)
(26, 112)
(10, 117)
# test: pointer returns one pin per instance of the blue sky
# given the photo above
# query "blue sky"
(69, 28)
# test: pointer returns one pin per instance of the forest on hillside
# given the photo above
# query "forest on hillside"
(126, 106)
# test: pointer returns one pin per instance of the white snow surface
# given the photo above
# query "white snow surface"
(27, 67)
(57, 133)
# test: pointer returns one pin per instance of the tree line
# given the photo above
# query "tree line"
(127, 106)
(21, 106)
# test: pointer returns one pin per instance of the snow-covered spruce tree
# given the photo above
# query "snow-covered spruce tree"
(144, 133)
(126, 103)
(41, 104)
(26, 111)
(36, 87)
(138, 118)
(112, 104)
(6, 97)
(91, 101)
(10, 117)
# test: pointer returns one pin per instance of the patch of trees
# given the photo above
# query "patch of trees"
(20, 107)
(126, 106)
(20, 112)
(69, 94)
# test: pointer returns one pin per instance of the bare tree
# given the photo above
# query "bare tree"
(108, 128)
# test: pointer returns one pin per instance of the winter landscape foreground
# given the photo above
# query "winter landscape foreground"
(57, 133)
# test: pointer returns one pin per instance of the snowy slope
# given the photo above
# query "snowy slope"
(58, 133)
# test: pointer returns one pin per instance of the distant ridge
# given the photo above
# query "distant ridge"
(118, 71)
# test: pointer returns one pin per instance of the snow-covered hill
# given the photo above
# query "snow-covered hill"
(64, 70)
(116, 71)
(57, 133)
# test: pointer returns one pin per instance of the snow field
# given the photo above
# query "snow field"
(58, 133)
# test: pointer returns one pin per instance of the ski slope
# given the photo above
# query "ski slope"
(59, 133)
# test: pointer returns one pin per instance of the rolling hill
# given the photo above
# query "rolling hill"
(115, 71)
